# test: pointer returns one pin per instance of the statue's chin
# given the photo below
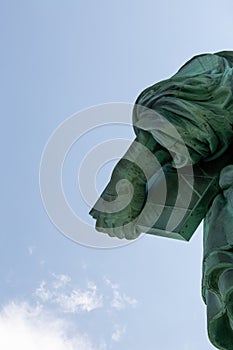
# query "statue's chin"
(120, 223)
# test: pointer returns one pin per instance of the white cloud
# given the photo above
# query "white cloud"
(79, 300)
(31, 250)
(61, 280)
(70, 300)
(25, 327)
(103, 345)
(73, 300)
(43, 293)
(120, 300)
(31, 328)
(118, 333)
(108, 282)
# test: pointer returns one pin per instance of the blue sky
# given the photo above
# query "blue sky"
(58, 57)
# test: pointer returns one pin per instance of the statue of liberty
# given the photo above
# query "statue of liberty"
(186, 123)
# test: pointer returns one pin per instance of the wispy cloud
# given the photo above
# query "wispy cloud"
(77, 300)
(31, 250)
(118, 333)
(31, 328)
(41, 327)
(120, 300)
(61, 280)
(70, 300)
(109, 283)
(43, 292)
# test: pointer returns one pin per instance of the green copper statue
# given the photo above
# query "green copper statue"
(184, 135)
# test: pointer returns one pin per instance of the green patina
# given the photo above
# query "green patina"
(184, 135)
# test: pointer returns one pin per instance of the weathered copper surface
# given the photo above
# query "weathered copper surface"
(178, 171)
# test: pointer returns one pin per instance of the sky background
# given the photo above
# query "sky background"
(58, 57)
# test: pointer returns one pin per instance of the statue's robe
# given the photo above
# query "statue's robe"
(217, 281)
